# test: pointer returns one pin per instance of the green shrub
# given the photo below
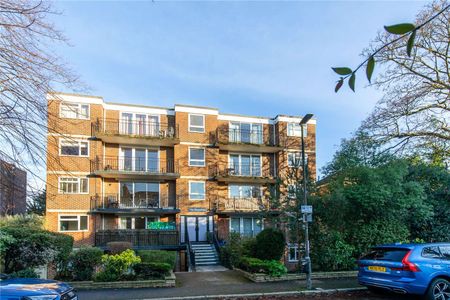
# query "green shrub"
(118, 247)
(231, 253)
(255, 265)
(248, 246)
(270, 244)
(275, 268)
(26, 273)
(155, 256)
(63, 244)
(84, 261)
(330, 252)
(151, 270)
(30, 221)
(116, 267)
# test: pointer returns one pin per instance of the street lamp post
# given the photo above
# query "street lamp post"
(305, 202)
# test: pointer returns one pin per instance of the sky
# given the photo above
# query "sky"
(245, 57)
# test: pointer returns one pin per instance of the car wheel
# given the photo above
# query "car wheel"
(439, 290)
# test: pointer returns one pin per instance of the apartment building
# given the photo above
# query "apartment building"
(158, 177)
(13, 189)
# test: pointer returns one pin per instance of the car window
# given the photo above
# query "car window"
(387, 254)
(445, 250)
(431, 252)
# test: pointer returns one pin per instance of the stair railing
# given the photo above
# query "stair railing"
(190, 253)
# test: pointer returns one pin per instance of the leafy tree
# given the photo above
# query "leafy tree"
(270, 244)
(37, 203)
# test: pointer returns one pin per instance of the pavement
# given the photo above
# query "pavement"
(213, 283)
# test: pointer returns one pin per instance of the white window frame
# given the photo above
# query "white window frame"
(299, 133)
(296, 253)
(196, 126)
(240, 190)
(79, 146)
(299, 154)
(204, 157)
(77, 112)
(204, 190)
(251, 162)
(133, 157)
(241, 224)
(133, 222)
(79, 185)
(61, 216)
(134, 123)
(253, 140)
(292, 187)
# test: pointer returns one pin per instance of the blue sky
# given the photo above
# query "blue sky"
(253, 58)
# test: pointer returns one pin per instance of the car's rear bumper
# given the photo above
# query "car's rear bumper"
(402, 285)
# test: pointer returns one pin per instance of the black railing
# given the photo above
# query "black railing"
(225, 135)
(137, 237)
(143, 200)
(134, 164)
(136, 128)
(243, 170)
(190, 253)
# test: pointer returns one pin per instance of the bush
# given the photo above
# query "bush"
(231, 253)
(63, 244)
(158, 256)
(118, 247)
(152, 270)
(26, 273)
(255, 265)
(275, 268)
(270, 244)
(31, 221)
(83, 262)
(116, 267)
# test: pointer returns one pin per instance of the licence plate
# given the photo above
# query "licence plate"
(377, 269)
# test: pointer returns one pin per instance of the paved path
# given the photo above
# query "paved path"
(212, 283)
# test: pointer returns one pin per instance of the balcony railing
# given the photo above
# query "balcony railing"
(133, 164)
(140, 200)
(241, 204)
(227, 135)
(139, 238)
(135, 128)
(243, 170)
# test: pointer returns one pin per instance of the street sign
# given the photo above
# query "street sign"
(306, 209)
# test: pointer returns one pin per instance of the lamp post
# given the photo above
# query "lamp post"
(305, 202)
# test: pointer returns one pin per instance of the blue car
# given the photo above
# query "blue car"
(421, 269)
(35, 289)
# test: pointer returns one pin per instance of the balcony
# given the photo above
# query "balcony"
(134, 168)
(239, 204)
(139, 238)
(243, 173)
(117, 131)
(143, 202)
(246, 140)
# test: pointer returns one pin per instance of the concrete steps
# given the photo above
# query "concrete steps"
(205, 254)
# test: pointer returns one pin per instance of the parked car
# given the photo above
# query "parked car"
(422, 269)
(35, 289)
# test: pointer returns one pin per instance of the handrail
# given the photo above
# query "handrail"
(115, 201)
(216, 243)
(190, 254)
(134, 164)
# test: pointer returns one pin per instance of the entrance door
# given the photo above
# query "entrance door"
(197, 227)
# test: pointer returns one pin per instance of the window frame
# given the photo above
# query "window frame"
(296, 253)
(241, 224)
(299, 153)
(133, 158)
(240, 186)
(251, 164)
(61, 216)
(78, 112)
(196, 126)
(79, 185)
(204, 190)
(79, 141)
(148, 130)
(204, 157)
(133, 183)
(293, 134)
(133, 222)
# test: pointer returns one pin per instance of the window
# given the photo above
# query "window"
(140, 159)
(245, 165)
(293, 252)
(244, 191)
(139, 124)
(197, 157)
(246, 226)
(245, 133)
(295, 159)
(73, 148)
(445, 251)
(139, 194)
(294, 129)
(74, 110)
(196, 190)
(292, 191)
(136, 222)
(431, 252)
(386, 254)
(73, 185)
(73, 223)
(196, 123)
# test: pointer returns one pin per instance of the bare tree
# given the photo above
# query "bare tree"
(28, 70)
(414, 112)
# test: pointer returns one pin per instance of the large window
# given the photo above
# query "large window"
(69, 147)
(136, 222)
(73, 185)
(295, 159)
(244, 191)
(73, 223)
(197, 157)
(245, 165)
(293, 252)
(196, 123)
(74, 110)
(139, 194)
(245, 133)
(196, 190)
(139, 124)
(292, 191)
(294, 129)
(246, 226)
(139, 159)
